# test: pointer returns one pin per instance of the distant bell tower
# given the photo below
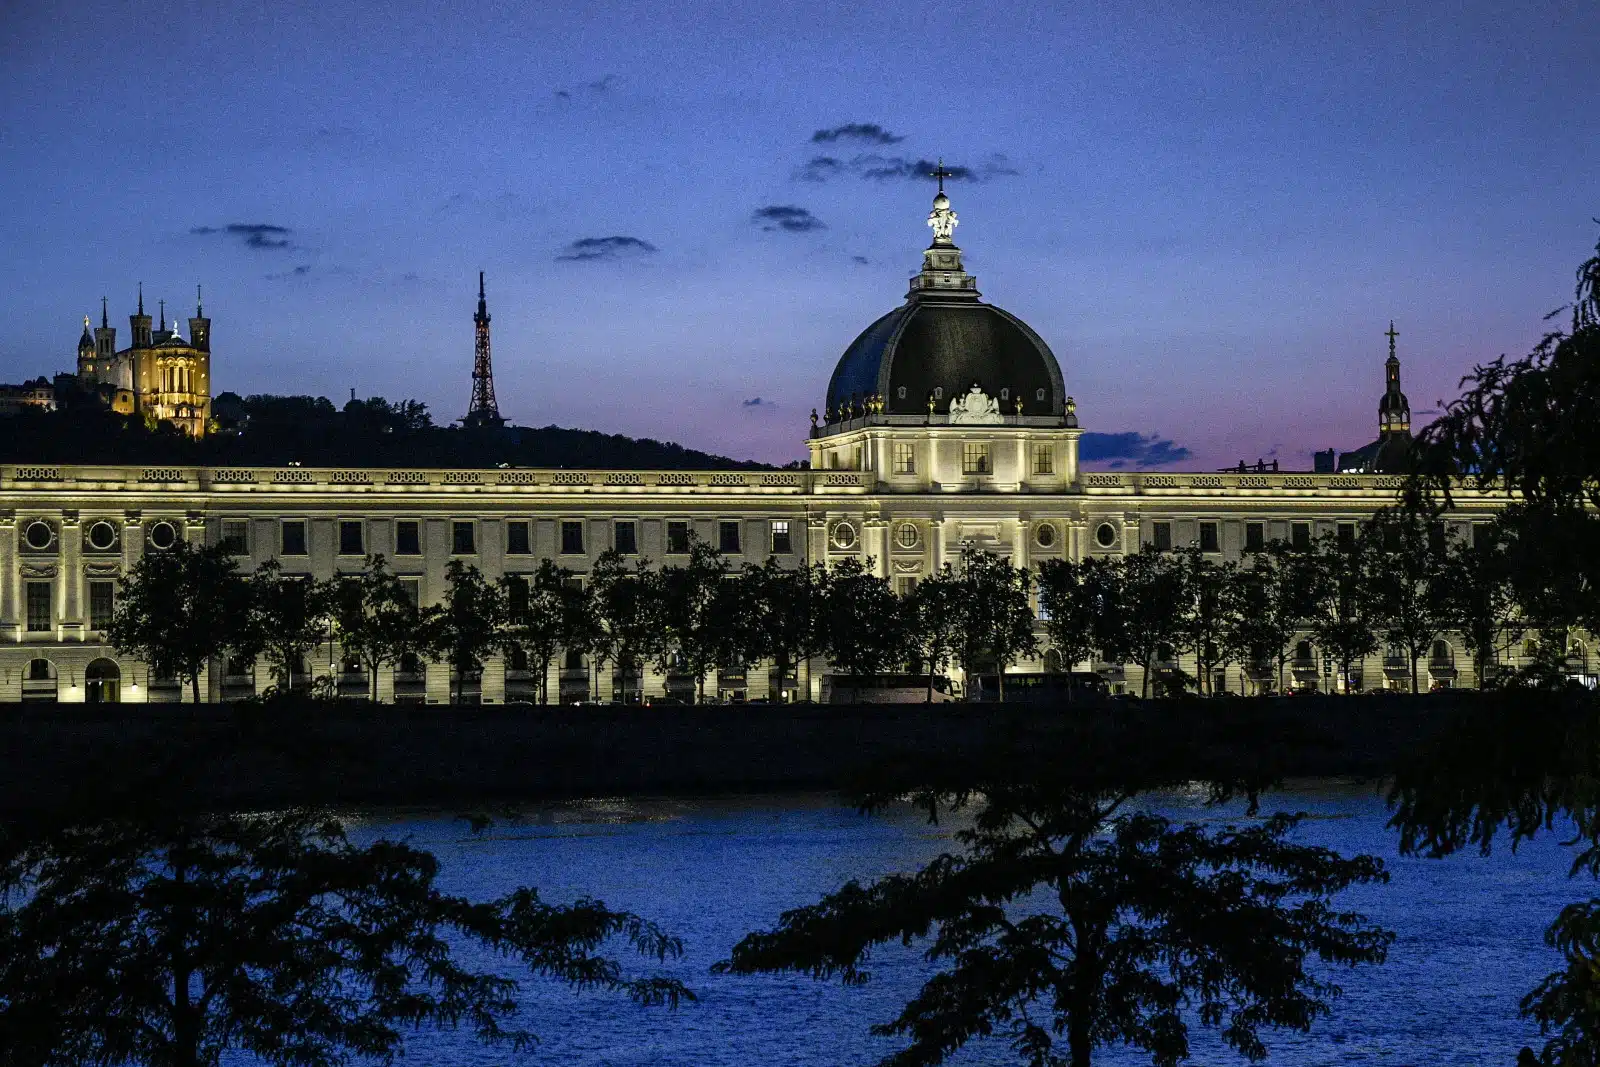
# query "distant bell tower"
(199, 325)
(1394, 410)
(140, 322)
(483, 411)
(105, 338)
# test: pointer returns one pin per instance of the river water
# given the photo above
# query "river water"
(1469, 942)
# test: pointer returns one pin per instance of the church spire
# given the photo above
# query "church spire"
(1394, 410)
(105, 320)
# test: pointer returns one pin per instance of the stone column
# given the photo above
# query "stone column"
(936, 539)
(71, 555)
(10, 579)
(875, 539)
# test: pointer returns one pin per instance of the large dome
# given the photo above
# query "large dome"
(942, 341)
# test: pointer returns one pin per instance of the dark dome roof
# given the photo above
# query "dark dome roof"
(927, 344)
(1394, 401)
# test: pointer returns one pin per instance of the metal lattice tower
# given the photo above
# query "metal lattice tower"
(483, 411)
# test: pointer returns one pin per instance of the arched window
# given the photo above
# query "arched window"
(1052, 661)
(39, 682)
(574, 660)
(518, 659)
(1441, 654)
(1302, 652)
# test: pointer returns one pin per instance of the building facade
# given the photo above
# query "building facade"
(947, 425)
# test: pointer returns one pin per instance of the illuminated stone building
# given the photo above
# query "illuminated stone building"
(159, 375)
(947, 424)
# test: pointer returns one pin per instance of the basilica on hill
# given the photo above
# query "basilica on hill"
(947, 424)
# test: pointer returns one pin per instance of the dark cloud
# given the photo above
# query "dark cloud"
(617, 247)
(786, 217)
(298, 272)
(863, 260)
(757, 402)
(599, 85)
(869, 132)
(254, 234)
(1130, 449)
(873, 166)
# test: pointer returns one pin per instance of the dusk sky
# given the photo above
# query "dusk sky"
(687, 212)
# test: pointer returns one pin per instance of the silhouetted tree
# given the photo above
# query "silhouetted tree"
(1145, 609)
(689, 597)
(179, 609)
(375, 620)
(1212, 614)
(933, 622)
(626, 613)
(538, 616)
(1068, 924)
(468, 626)
(173, 941)
(864, 621)
(1527, 426)
(1069, 593)
(995, 615)
(787, 602)
(289, 616)
(1407, 554)
(1479, 597)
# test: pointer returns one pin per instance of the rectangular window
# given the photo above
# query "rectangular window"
(350, 541)
(677, 538)
(1255, 536)
(1044, 459)
(408, 538)
(573, 581)
(517, 596)
(40, 617)
(1161, 536)
(102, 601)
(1300, 536)
(293, 538)
(412, 588)
(625, 537)
(463, 539)
(905, 586)
(728, 535)
(1209, 541)
(572, 537)
(517, 541)
(781, 545)
(905, 457)
(975, 458)
(1347, 534)
(236, 537)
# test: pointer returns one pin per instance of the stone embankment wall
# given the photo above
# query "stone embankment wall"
(106, 757)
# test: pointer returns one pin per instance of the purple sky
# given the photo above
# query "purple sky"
(1210, 211)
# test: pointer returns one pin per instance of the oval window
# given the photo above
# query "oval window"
(1038, 394)
(844, 535)
(1105, 535)
(163, 535)
(39, 534)
(1045, 535)
(906, 536)
(102, 536)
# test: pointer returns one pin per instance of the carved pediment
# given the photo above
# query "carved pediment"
(102, 569)
(38, 570)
